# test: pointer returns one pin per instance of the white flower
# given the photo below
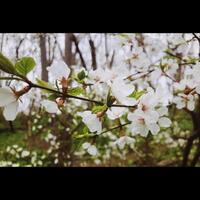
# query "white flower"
(86, 145)
(196, 72)
(139, 59)
(25, 154)
(59, 70)
(184, 83)
(50, 106)
(148, 100)
(91, 149)
(122, 141)
(185, 101)
(162, 111)
(142, 123)
(115, 112)
(98, 75)
(108, 75)
(146, 108)
(8, 100)
(91, 121)
(163, 121)
(197, 89)
(121, 91)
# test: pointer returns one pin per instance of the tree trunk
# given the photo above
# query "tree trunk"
(43, 53)
(68, 49)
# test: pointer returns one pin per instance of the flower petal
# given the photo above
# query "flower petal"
(151, 116)
(191, 105)
(59, 70)
(164, 122)
(10, 111)
(50, 106)
(154, 128)
(92, 150)
(162, 111)
(6, 96)
(198, 89)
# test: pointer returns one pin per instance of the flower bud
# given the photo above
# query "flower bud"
(60, 102)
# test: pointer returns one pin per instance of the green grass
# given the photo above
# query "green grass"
(9, 139)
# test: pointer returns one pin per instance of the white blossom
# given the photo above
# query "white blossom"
(91, 121)
(122, 141)
(91, 149)
(59, 70)
(122, 90)
(25, 154)
(50, 106)
(185, 101)
(8, 100)
(142, 124)
(115, 112)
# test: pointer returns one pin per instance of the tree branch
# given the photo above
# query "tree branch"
(93, 54)
(78, 50)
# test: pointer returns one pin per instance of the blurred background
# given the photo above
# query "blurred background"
(35, 140)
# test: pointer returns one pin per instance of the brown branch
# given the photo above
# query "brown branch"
(50, 61)
(78, 50)
(198, 39)
(18, 47)
(106, 49)
(93, 54)
(112, 59)
(59, 48)
(188, 148)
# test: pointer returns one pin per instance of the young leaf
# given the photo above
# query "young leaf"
(76, 91)
(25, 65)
(124, 35)
(45, 84)
(137, 94)
(10, 78)
(81, 75)
(52, 97)
(97, 109)
(7, 66)
(110, 99)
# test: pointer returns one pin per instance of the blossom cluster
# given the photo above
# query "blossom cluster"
(154, 75)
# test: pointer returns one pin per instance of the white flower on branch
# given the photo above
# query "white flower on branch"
(25, 154)
(8, 100)
(59, 70)
(91, 121)
(91, 149)
(185, 101)
(50, 106)
(122, 90)
(163, 121)
(142, 123)
(115, 112)
(122, 141)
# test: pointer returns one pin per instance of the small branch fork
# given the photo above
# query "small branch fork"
(61, 94)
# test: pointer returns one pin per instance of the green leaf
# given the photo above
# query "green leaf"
(81, 75)
(110, 99)
(76, 91)
(52, 97)
(97, 109)
(7, 66)
(124, 35)
(25, 65)
(137, 94)
(45, 84)
(9, 78)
